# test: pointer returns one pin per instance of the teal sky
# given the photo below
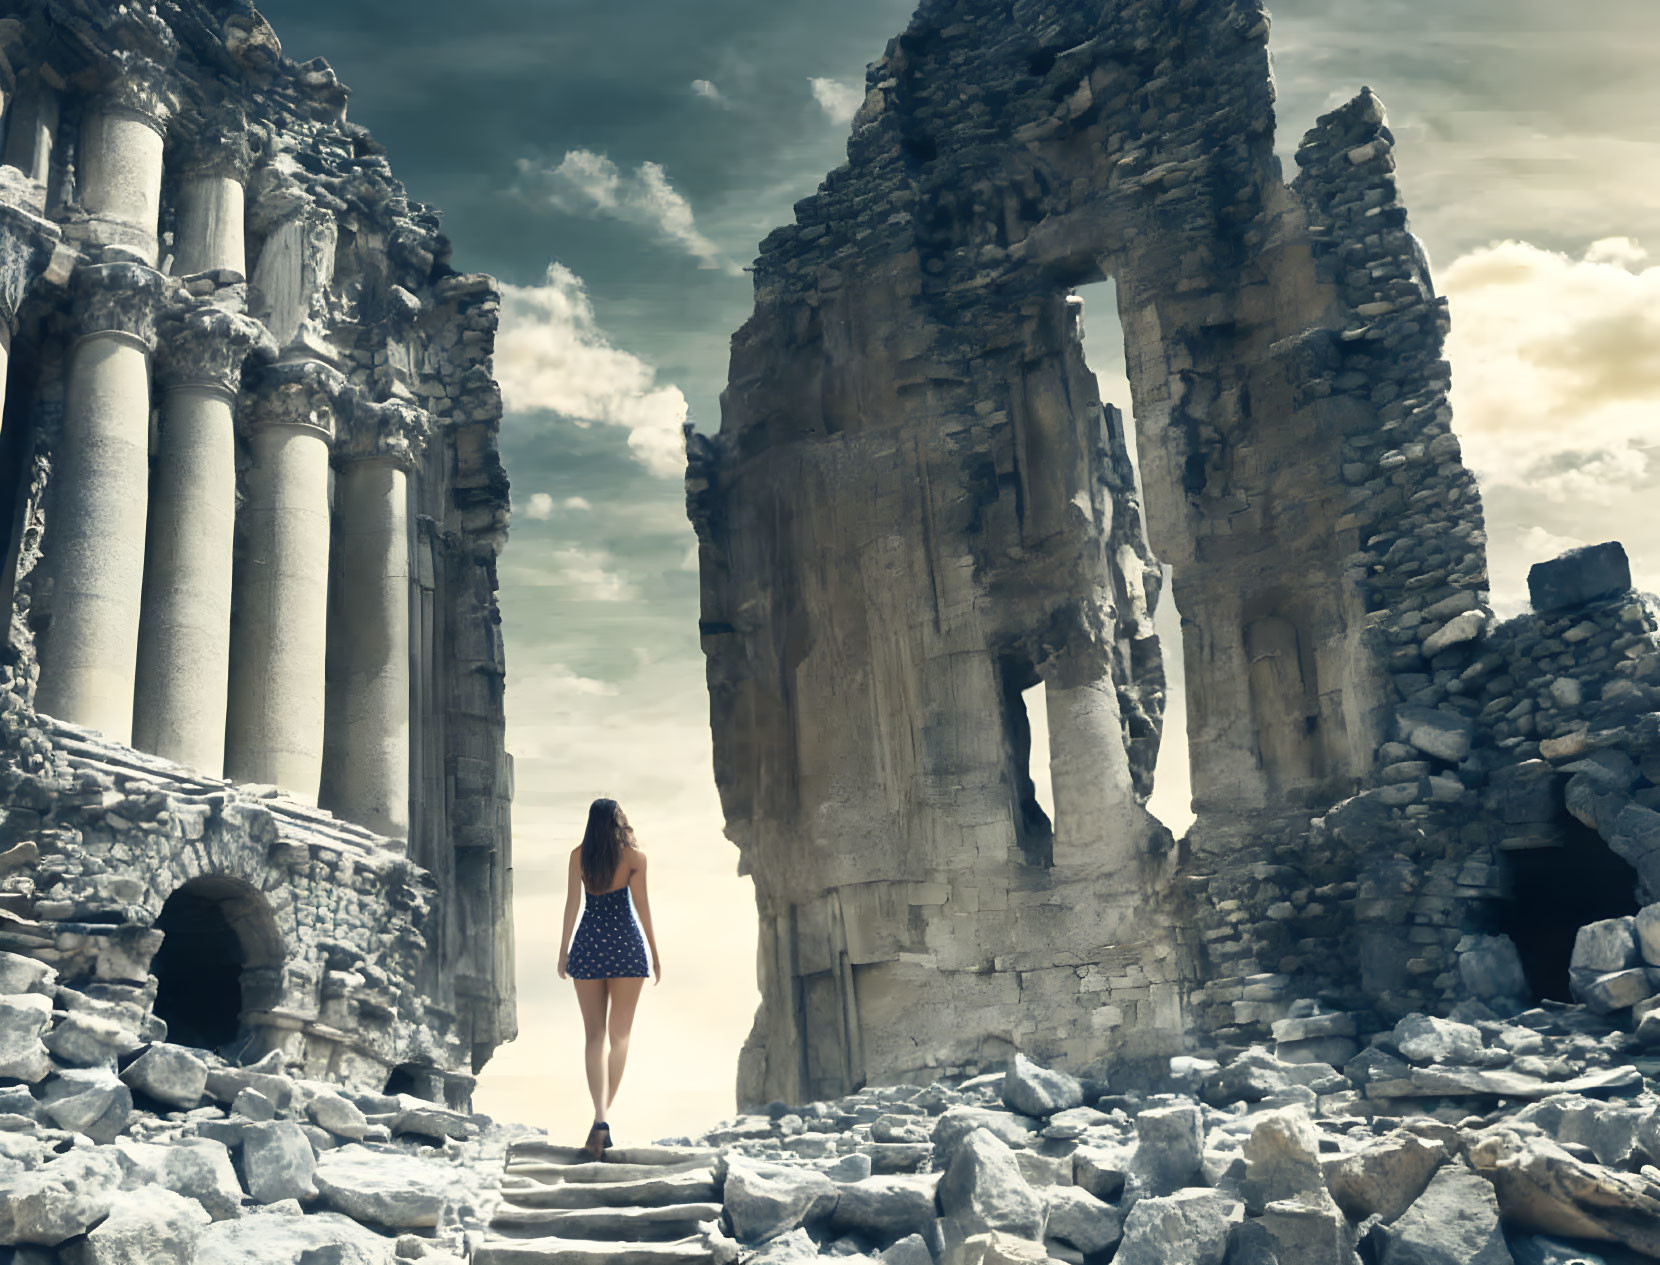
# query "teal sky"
(642, 148)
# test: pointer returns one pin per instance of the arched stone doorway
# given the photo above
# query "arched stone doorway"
(220, 957)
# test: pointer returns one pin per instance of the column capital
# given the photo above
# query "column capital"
(119, 298)
(219, 144)
(392, 430)
(302, 393)
(31, 243)
(141, 87)
(205, 346)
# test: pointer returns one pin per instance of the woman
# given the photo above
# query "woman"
(607, 958)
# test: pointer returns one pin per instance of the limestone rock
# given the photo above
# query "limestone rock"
(383, 1187)
(145, 1226)
(280, 1240)
(200, 1169)
(983, 1190)
(1292, 1231)
(19, 974)
(1442, 734)
(1168, 1151)
(171, 1074)
(767, 1200)
(1454, 1222)
(796, 1245)
(1282, 1158)
(338, 1116)
(1647, 926)
(89, 1100)
(1037, 1091)
(24, 1017)
(885, 1207)
(1606, 946)
(1077, 1217)
(910, 1250)
(61, 1199)
(277, 1162)
(1579, 576)
(1383, 1178)
(958, 1122)
(1189, 1227)
(1101, 1171)
(1425, 1039)
(1544, 1189)
(86, 1040)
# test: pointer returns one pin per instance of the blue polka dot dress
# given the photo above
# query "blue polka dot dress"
(608, 943)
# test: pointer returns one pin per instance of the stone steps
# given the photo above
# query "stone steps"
(635, 1225)
(691, 1186)
(641, 1205)
(690, 1251)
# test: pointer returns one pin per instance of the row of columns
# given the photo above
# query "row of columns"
(141, 644)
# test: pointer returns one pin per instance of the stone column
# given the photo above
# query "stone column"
(184, 639)
(366, 775)
(210, 211)
(279, 629)
(121, 159)
(100, 493)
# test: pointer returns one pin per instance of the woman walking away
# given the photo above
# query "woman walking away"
(607, 958)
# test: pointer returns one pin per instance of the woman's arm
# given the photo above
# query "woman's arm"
(573, 897)
(637, 885)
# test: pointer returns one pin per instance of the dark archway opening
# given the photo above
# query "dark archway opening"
(218, 940)
(1556, 891)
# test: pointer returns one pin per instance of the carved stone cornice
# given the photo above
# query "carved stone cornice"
(393, 430)
(303, 393)
(206, 346)
(120, 299)
(26, 246)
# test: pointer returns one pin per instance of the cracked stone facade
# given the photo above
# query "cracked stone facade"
(917, 508)
(252, 505)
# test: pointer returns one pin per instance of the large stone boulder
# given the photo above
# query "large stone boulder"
(197, 1168)
(1454, 1222)
(1383, 1178)
(1077, 1217)
(1426, 1039)
(1578, 577)
(983, 1190)
(1543, 1188)
(885, 1208)
(1038, 1091)
(384, 1187)
(1282, 1158)
(171, 1074)
(89, 1040)
(1189, 1227)
(24, 1019)
(309, 1240)
(958, 1122)
(59, 1200)
(145, 1226)
(767, 1200)
(89, 1100)
(277, 1162)
(1169, 1149)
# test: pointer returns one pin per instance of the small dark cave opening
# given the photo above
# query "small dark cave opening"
(1553, 892)
(210, 941)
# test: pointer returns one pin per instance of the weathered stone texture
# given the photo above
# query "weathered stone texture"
(190, 227)
(917, 508)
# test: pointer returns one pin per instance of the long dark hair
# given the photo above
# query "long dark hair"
(603, 842)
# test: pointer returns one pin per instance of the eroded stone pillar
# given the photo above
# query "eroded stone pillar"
(101, 490)
(366, 775)
(121, 145)
(210, 210)
(279, 633)
(184, 639)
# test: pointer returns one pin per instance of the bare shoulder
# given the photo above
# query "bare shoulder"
(638, 856)
(576, 857)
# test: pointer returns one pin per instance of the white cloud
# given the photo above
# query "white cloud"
(1556, 387)
(1556, 365)
(540, 506)
(577, 503)
(591, 573)
(708, 91)
(551, 354)
(586, 183)
(839, 101)
(689, 562)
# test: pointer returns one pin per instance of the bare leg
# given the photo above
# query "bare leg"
(590, 995)
(625, 995)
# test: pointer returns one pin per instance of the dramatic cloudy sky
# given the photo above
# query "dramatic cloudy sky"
(615, 162)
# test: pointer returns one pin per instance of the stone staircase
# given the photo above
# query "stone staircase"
(640, 1206)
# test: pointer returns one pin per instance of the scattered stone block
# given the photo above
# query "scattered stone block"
(89, 1100)
(387, 1188)
(767, 1200)
(277, 1162)
(1578, 577)
(1037, 1091)
(1189, 1227)
(171, 1074)
(983, 1190)
(24, 1019)
(145, 1226)
(1169, 1149)
(1426, 1039)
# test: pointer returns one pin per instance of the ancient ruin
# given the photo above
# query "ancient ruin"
(253, 789)
(917, 509)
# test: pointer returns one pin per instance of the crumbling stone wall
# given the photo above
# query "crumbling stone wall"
(213, 291)
(916, 508)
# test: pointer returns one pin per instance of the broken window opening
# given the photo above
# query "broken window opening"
(1034, 829)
